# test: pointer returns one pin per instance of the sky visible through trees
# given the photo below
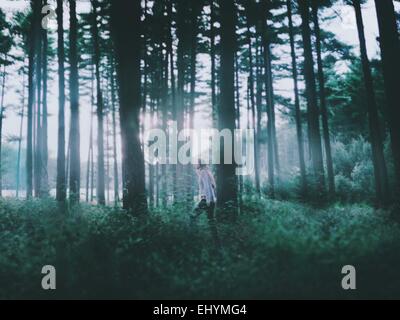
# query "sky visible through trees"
(343, 26)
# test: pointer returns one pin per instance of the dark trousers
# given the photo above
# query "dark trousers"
(204, 207)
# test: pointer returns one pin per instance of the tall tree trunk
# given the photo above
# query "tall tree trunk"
(390, 50)
(213, 63)
(38, 143)
(252, 99)
(61, 179)
(18, 178)
(312, 102)
(299, 129)
(164, 171)
(3, 88)
(378, 158)
(107, 155)
(259, 108)
(100, 112)
(193, 60)
(238, 126)
(74, 176)
(183, 48)
(35, 5)
(114, 133)
(90, 151)
(323, 106)
(125, 19)
(226, 173)
(272, 148)
(44, 136)
(173, 85)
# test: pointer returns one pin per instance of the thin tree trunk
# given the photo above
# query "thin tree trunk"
(3, 88)
(44, 136)
(193, 59)
(38, 142)
(164, 171)
(299, 129)
(213, 63)
(35, 5)
(237, 116)
(378, 158)
(173, 86)
(390, 50)
(74, 177)
(107, 177)
(20, 135)
(322, 100)
(90, 152)
(61, 177)
(100, 106)
(181, 30)
(312, 102)
(252, 100)
(114, 133)
(270, 104)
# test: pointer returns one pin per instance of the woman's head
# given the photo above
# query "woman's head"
(201, 165)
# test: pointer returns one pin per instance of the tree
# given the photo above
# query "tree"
(272, 143)
(390, 51)
(125, 21)
(37, 172)
(5, 47)
(299, 128)
(100, 122)
(74, 172)
(34, 34)
(226, 173)
(249, 7)
(44, 129)
(378, 159)
(322, 101)
(61, 180)
(311, 94)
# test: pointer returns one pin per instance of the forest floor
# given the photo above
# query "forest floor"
(274, 250)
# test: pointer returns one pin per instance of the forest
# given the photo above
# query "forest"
(89, 88)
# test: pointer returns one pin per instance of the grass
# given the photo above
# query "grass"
(275, 249)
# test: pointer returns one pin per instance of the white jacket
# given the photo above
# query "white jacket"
(206, 185)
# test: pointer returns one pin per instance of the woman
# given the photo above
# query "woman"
(206, 190)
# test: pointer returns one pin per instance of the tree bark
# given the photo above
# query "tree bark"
(100, 106)
(322, 101)
(35, 5)
(125, 19)
(44, 136)
(390, 50)
(378, 158)
(74, 174)
(312, 102)
(3, 87)
(227, 180)
(299, 129)
(18, 178)
(252, 99)
(114, 133)
(61, 183)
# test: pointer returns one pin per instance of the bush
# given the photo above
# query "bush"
(354, 170)
(274, 250)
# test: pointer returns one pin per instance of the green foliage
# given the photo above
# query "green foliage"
(274, 250)
(347, 104)
(354, 170)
